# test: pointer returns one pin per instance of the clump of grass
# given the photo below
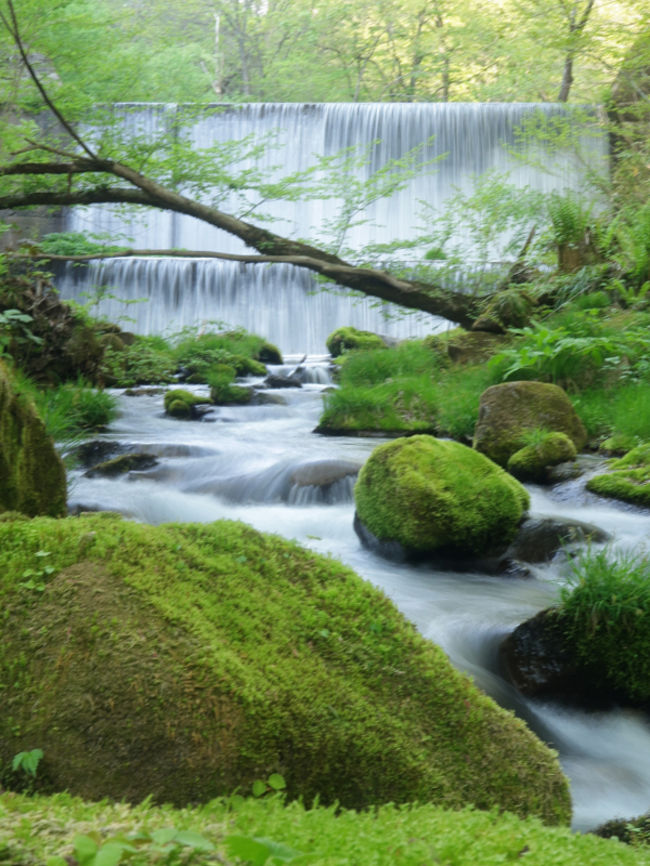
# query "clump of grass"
(605, 607)
(71, 410)
(622, 411)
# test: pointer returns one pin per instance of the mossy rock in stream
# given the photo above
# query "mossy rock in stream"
(184, 661)
(628, 478)
(350, 339)
(32, 477)
(510, 412)
(438, 496)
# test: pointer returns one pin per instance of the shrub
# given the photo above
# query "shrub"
(605, 607)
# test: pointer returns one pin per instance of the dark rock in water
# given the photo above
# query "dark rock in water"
(89, 454)
(123, 464)
(392, 550)
(538, 660)
(261, 398)
(323, 472)
(540, 538)
(275, 380)
(144, 392)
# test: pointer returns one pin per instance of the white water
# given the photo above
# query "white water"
(285, 304)
(240, 467)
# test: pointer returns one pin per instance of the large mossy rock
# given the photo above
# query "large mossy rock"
(184, 661)
(438, 496)
(509, 411)
(628, 478)
(32, 477)
(349, 339)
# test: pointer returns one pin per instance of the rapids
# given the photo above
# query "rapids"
(243, 463)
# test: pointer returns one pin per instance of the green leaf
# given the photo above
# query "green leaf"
(259, 788)
(248, 849)
(193, 840)
(163, 835)
(85, 849)
(110, 854)
(276, 781)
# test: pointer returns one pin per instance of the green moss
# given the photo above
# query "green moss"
(183, 661)
(32, 477)
(531, 461)
(430, 494)
(606, 617)
(179, 402)
(33, 829)
(629, 478)
(510, 411)
(351, 339)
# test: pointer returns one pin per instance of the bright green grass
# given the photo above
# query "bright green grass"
(606, 611)
(622, 411)
(43, 830)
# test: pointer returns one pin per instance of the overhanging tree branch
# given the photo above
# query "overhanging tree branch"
(146, 191)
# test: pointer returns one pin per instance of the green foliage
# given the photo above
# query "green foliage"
(148, 360)
(408, 388)
(621, 410)
(570, 217)
(71, 410)
(27, 761)
(569, 354)
(44, 829)
(14, 327)
(76, 244)
(605, 607)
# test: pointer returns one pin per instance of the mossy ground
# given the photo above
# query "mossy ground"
(183, 661)
(629, 478)
(35, 829)
(430, 494)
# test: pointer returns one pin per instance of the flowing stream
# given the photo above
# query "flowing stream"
(255, 463)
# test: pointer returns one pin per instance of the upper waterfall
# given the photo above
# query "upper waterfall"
(459, 141)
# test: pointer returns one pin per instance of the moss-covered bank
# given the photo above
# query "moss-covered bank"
(32, 477)
(33, 830)
(184, 661)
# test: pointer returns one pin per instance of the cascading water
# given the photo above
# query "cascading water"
(284, 303)
(262, 464)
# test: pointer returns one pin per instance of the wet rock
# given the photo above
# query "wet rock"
(510, 411)
(123, 464)
(540, 538)
(323, 472)
(538, 660)
(89, 454)
(275, 380)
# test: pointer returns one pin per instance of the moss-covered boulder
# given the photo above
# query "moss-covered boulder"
(628, 478)
(531, 463)
(510, 411)
(184, 661)
(32, 477)
(180, 403)
(433, 495)
(347, 339)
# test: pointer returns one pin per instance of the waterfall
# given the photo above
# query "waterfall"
(282, 303)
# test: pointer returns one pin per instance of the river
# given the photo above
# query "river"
(239, 462)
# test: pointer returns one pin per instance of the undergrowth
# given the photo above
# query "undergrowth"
(605, 607)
